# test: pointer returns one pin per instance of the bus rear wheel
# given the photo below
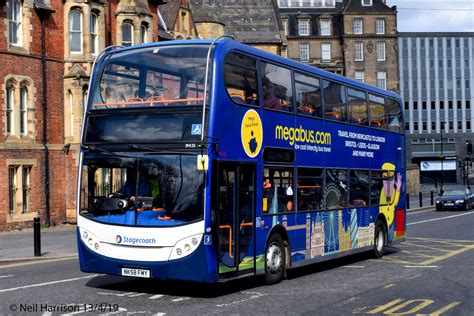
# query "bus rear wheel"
(380, 238)
(275, 260)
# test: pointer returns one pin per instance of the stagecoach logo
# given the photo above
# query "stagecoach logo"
(134, 241)
(251, 133)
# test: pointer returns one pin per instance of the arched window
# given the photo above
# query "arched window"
(144, 33)
(14, 22)
(75, 31)
(23, 110)
(127, 34)
(9, 108)
(94, 33)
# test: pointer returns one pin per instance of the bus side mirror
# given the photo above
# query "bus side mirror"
(202, 162)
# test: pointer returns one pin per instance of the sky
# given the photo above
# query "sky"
(434, 15)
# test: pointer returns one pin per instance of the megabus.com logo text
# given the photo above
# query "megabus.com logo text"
(302, 135)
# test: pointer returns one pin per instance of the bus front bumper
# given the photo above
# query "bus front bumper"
(200, 266)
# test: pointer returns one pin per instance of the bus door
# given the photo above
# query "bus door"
(236, 218)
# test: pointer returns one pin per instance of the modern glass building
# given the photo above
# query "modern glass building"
(437, 87)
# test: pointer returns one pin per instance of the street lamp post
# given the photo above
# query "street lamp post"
(442, 159)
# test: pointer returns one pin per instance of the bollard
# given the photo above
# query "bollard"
(420, 195)
(37, 236)
(432, 197)
(408, 201)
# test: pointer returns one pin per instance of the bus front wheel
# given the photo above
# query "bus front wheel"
(275, 260)
(380, 238)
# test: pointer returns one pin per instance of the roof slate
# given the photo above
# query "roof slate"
(170, 11)
(355, 6)
(250, 21)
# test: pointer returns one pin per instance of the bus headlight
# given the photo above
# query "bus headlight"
(185, 247)
(90, 240)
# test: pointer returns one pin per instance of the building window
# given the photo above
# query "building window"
(380, 26)
(357, 26)
(285, 26)
(14, 22)
(71, 113)
(75, 31)
(23, 111)
(304, 52)
(94, 33)
(12, 188)
(26, 188)
(366, 2)
(144, 33)
(359, 76)
(325, 27)
(303, 27)
(127, 34)
(380, 51)
(358, 51)
(9, 110)
(382, 79)
(19, 189)
(326, 51)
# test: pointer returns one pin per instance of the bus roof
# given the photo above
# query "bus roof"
(228, 44)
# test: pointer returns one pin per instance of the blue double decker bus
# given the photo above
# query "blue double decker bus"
(208, 160)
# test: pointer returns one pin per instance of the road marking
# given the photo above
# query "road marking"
(418, 212)
(354, 266)
(254, 295)
(384, 307)
(442, 310)
(36, 262)
(154, 297)
(6, 276)
(388, 286)
(421, 267)
(180, 299)
(47, 283)
(414, 277)
(439, 218)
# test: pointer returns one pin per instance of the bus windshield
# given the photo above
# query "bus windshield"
(153, 76)
(141, 189)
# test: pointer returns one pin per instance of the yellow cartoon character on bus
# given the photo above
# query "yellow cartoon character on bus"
(390, 193)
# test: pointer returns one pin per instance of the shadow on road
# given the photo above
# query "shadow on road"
(204, 290)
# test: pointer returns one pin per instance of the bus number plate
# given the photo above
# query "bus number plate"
(139, 273)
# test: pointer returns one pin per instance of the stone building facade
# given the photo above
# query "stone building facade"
(354, 38)
(256, 23)
(44, 84)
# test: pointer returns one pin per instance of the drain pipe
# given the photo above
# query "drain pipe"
(43, 13)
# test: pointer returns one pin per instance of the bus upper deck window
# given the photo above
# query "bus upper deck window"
(277, 88)
(377, 111)
(240, 75)
(308, 95)
(334, 96)
(358, 109)
(394, 116)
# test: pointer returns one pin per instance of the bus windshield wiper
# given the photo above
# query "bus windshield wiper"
(137, 147)
(92, 147)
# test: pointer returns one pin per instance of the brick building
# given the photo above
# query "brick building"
(354, 38)
(44, 78)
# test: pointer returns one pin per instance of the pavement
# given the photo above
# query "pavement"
(57, 243)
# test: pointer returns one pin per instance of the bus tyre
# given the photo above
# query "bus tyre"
(380, 238)
(275, 260)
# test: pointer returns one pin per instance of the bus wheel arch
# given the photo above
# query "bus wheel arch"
(277, 255)
(380, 236)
